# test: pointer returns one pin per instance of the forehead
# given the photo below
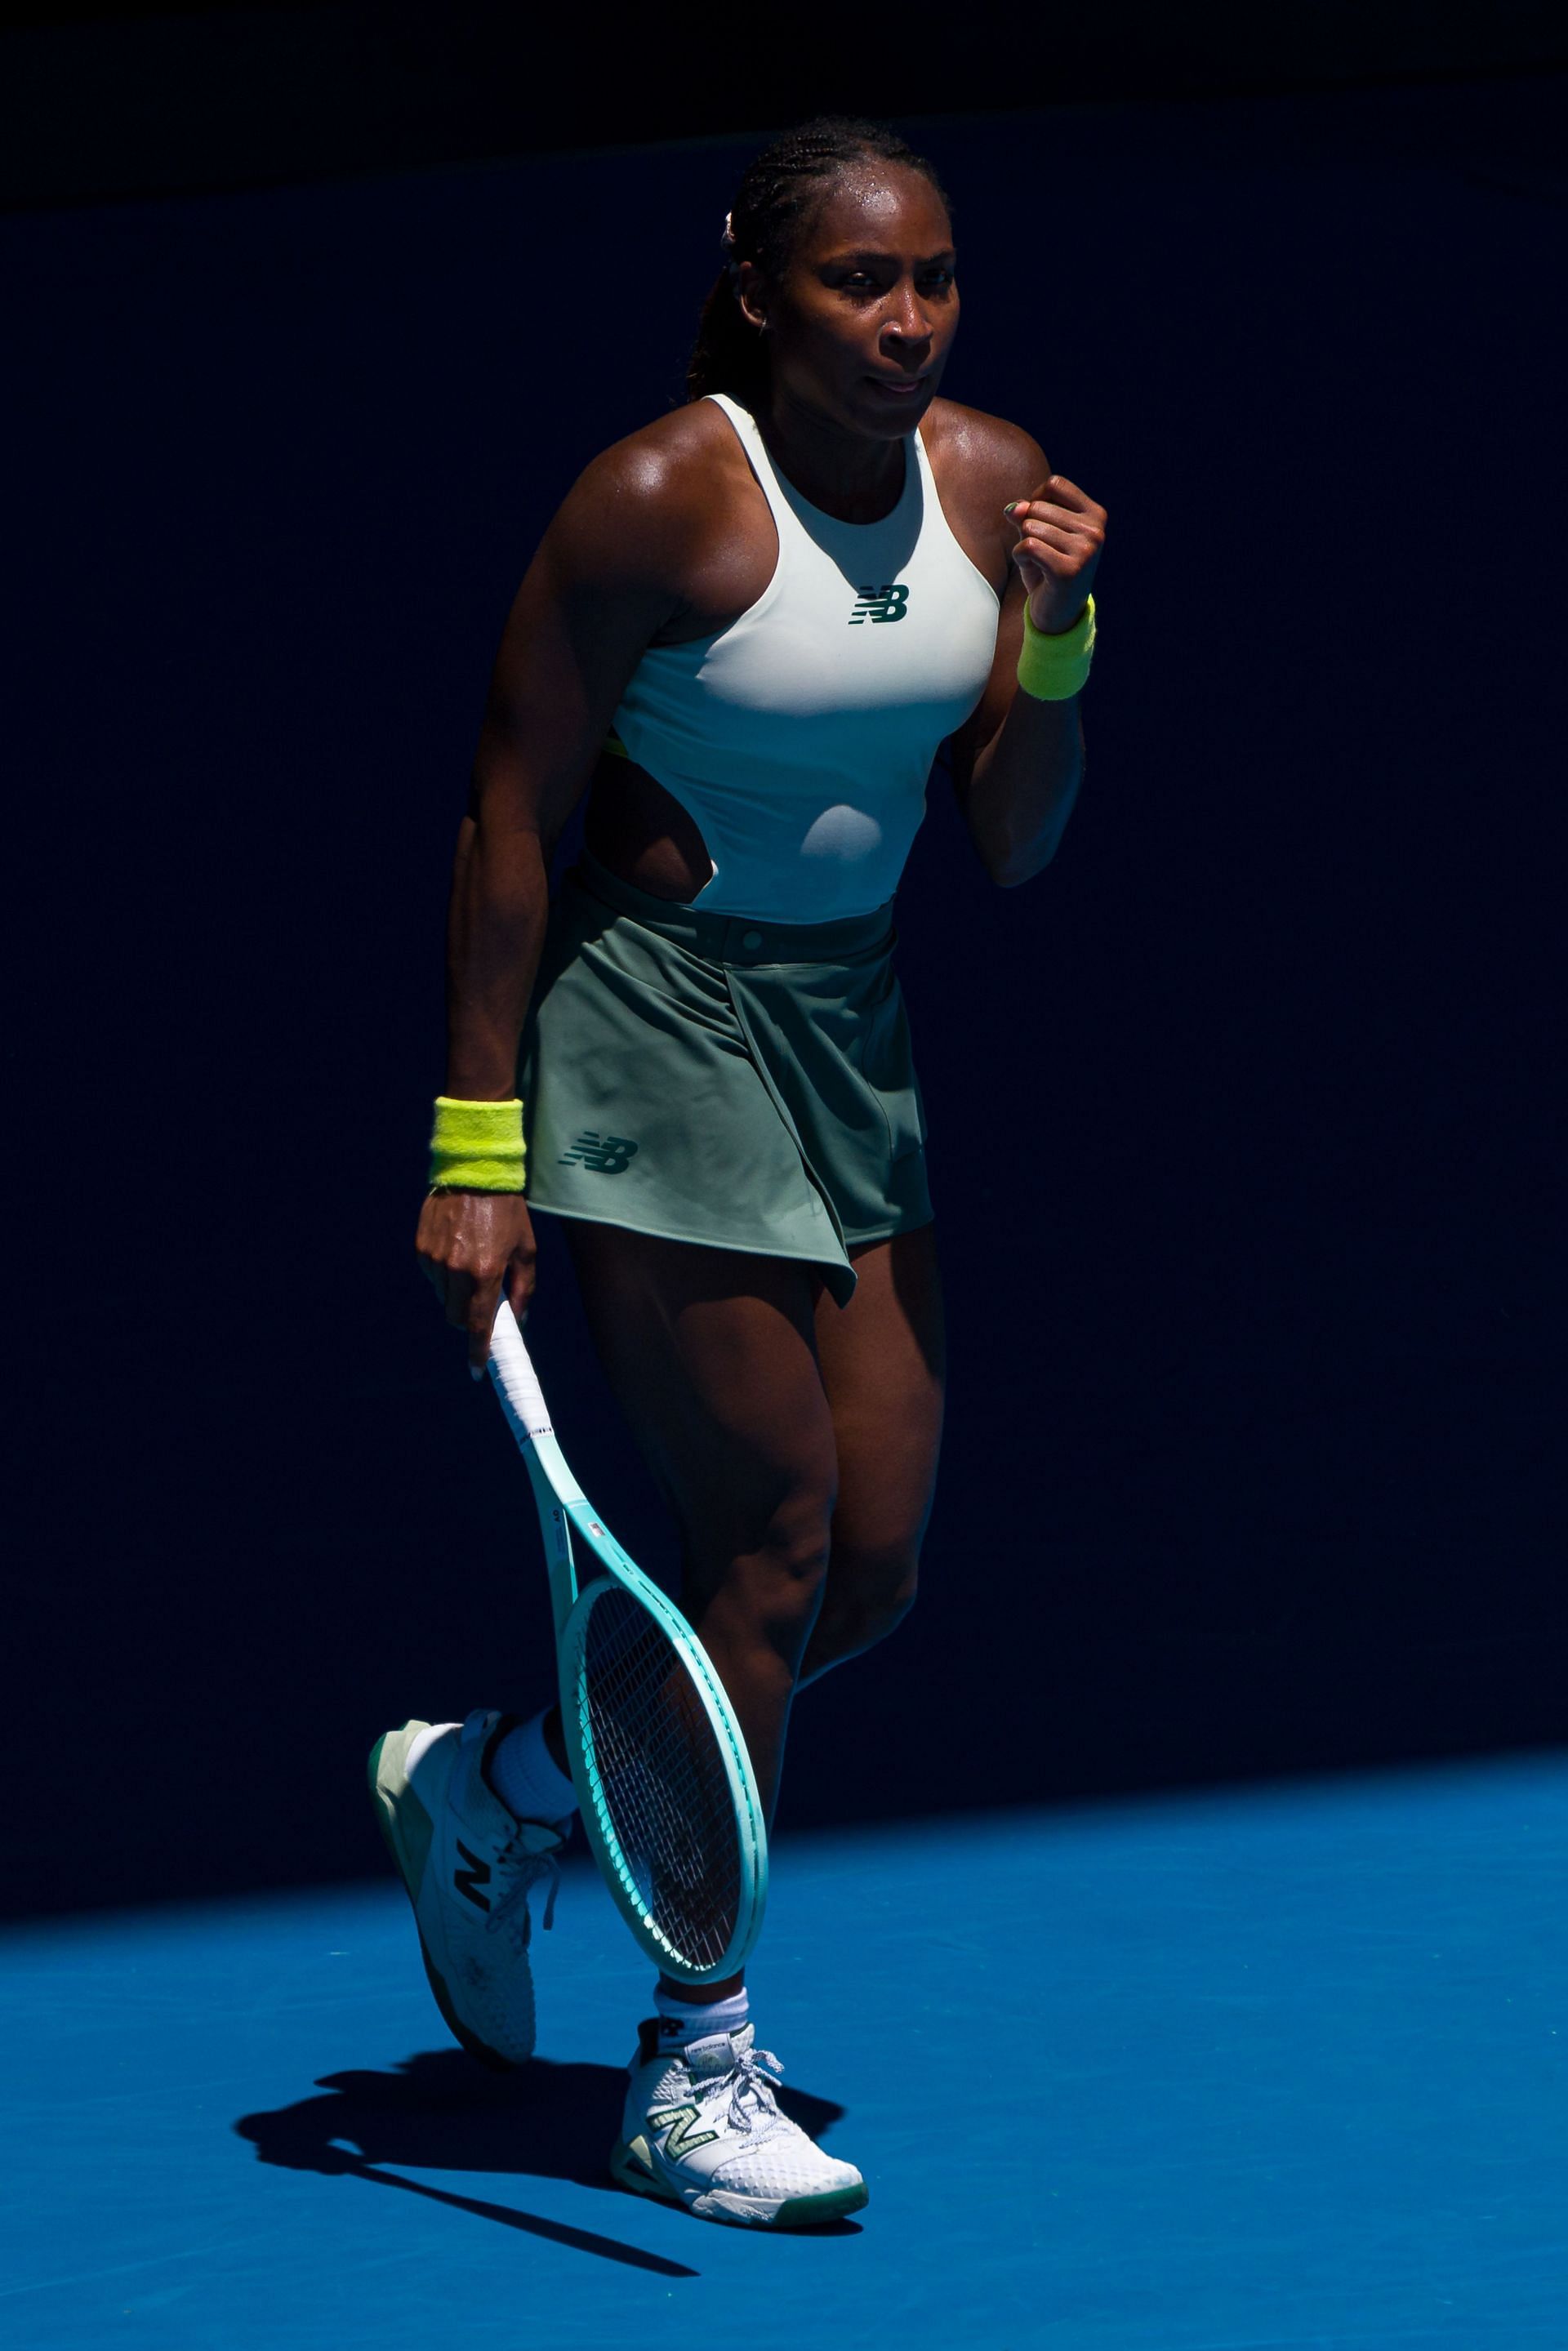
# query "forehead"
(879, 205)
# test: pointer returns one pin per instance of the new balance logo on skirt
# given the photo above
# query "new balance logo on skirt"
(609, 1154)
(879, 604)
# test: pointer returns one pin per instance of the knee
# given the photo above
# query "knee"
(767, 1594)
(793, 1569)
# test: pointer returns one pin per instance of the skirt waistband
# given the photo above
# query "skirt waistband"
(736, 938)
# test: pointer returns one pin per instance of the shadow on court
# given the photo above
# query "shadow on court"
(440, 2111)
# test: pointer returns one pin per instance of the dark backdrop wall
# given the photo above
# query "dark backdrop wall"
(1243, 1137)
(96, 101)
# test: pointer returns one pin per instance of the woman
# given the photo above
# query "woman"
(746, 632)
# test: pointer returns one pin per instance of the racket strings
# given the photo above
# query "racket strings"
(664, 1791)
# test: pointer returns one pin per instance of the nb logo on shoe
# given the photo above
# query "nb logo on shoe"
(468, 1881)
(683, 2135)
(879, 604)
(609, 1154)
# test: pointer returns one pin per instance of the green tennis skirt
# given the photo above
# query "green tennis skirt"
(744, 1084)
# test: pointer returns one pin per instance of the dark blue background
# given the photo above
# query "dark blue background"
(1244, 1116)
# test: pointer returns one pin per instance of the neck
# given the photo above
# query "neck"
(848, 475)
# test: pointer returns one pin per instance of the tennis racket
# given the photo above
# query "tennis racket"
(657, 1757)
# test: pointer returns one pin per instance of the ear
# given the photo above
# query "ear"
(751, 294)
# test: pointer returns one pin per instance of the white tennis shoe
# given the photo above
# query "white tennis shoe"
(470, 1867)
(703, 2128)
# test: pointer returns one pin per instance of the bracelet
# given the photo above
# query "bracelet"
(476, 1146)
(1054, 668)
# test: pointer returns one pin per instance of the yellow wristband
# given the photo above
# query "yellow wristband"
(1053, 669)
(476, 1146)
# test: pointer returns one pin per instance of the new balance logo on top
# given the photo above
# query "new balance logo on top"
(879, 604)
(609, 1154)
(468, 1881)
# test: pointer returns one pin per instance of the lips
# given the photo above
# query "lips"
(896, 389)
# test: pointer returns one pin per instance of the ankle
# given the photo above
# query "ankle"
(526, 1776)
(683, 2018)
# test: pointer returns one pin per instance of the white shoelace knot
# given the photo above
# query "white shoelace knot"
(752, 2076)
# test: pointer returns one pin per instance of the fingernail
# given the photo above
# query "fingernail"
(1014, 508)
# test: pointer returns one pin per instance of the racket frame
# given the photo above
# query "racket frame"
(571, 1525)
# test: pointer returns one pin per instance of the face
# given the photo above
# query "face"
(860, 328)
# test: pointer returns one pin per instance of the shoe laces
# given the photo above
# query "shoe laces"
(522, 1869)
(751, 2077)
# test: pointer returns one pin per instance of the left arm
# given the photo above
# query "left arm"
(1018, 762)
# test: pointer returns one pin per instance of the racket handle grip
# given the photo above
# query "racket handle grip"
(516, 1382)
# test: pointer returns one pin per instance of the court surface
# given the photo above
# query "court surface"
(1276, 2071)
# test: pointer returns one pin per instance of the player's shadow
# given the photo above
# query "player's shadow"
(439, 2111)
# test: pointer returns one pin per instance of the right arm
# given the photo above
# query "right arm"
(599, 588)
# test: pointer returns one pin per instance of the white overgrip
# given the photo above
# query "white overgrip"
(516, 1382)
(555, 1488)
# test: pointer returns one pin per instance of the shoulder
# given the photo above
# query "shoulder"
(643, 504)
(979, 464)
(982, 458)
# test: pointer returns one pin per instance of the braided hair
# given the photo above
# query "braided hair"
(776, 200)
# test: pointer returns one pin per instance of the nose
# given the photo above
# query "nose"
(906, 321)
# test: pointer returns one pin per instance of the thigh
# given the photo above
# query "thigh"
(883, 1367)
(712, 1356)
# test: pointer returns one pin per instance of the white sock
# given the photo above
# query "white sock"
(681, 2020)
(526, 1776)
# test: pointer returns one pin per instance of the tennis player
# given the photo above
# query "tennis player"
(744, 635)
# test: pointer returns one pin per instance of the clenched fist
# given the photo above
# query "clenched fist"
(1061, 533)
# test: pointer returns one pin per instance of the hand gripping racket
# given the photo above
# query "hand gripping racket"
(658, 1758)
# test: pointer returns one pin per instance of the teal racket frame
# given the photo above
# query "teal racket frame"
(572, 1529)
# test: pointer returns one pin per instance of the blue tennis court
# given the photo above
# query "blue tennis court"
(1252, 2070)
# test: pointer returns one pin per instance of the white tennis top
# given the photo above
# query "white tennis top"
(801, 736)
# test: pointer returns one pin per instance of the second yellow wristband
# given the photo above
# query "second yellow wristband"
(1053, 669)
